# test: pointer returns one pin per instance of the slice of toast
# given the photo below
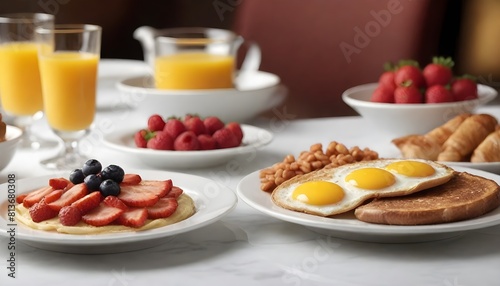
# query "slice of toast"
(465, 196)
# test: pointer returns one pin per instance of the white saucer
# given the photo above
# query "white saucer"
(210, 205)
(346, 226)
(254, 93)
(123, 141)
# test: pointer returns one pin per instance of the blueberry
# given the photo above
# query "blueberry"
(92, 166)
(109, 188)
(114, 173)
(77, 176)
(93, 182)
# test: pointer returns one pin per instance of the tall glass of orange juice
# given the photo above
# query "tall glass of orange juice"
(195, 58)
(20, 87)
(68, 58)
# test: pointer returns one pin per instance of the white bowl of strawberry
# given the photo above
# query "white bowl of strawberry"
(410, 100)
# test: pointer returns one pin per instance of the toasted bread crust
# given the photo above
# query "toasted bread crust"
(465, 196)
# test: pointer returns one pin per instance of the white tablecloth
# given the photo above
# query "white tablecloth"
(247, 247)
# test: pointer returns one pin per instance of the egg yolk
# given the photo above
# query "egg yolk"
(411, 168)
(370, 178)
(318, 193)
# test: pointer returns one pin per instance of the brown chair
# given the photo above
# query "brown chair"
(320, 48)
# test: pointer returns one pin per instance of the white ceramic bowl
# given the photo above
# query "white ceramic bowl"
(406, 119)
(254, 93)
(9, 146)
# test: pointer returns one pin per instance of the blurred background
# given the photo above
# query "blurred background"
(319, 48)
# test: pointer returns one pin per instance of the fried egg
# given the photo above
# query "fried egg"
(337, 190)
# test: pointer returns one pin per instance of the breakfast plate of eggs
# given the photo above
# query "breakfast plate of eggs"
(324, 201)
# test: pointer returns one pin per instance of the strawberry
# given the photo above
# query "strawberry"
(163, 209)
(102, 215)
(438, 94)
(113, 201)
(36, 195)
(145, 194)
(88, 202)
(69, 215)
(133, 217)
(213, 123)
(464, 88)
(407, 94)
(207, 142)
(40, 211)
(20, 198)
(186, 141)
(386, 80)
(67, 198)
(53, 196)
(131, 179)
(196, 125)
(409, 72)
(382, 94)
(175, 192)
(155, 123)
(225, 138)
(59, 183)
(438, 72)
(174, 127)
(141, 138)
(161, 141)
(235, 127)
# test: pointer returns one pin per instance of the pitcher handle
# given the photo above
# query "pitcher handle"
(252, 59)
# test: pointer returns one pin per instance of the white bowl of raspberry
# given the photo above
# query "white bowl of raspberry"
(399, 119)
(253, 94)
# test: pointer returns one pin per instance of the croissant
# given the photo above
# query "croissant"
(467, 137)
(428, 146)
(488, 150)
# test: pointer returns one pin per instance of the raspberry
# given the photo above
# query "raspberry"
(225, 138)
(174, 127)
(155, 123)
(207, 142)
(186, 141)
(235, 127)
(140, 138)
(213, 123)
(195, 124)
(161, 141)
(438, 94)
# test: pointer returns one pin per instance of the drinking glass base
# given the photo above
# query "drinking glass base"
(64, 162)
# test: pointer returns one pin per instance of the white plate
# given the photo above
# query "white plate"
(492, 167)
(123, 140)
(212, 201)
(348, 227)
(112, 71)
(255, 92)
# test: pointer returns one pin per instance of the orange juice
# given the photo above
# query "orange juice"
(20, 88)
(194, 71)
(69, 88)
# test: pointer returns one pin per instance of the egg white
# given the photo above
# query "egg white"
(354, 196)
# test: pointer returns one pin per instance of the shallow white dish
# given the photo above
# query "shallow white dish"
(123, 140)
(348, 227)
(405, 119)
(492, 167)
(212, 201)
(112, 71)
(255, 92)
(13, 136)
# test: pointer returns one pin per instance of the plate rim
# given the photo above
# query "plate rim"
(363, 228)
(210, 208)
